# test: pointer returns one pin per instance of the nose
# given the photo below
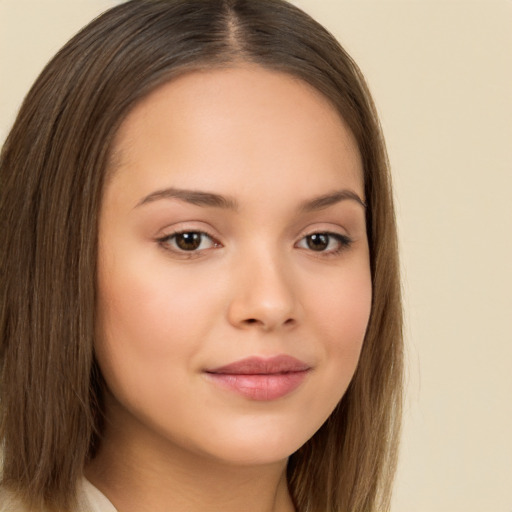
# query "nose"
(263, 296)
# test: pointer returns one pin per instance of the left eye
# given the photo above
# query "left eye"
(189, 241)
(324, 242)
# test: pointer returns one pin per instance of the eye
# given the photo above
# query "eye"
(330, 243)
(188, 241)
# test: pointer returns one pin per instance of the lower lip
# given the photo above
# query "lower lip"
(263, 387)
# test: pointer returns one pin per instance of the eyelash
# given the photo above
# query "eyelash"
(167, 239)
(344, 242)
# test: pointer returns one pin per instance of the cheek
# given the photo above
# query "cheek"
(145, 338)
(343, 306)
(152, 322)
(137, 316)
(148, 306)
(342, 313)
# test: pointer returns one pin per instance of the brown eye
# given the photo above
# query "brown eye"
(188, 241)
(327, 243)
(318, 241)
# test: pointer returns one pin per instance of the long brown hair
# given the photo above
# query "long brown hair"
(53, 167)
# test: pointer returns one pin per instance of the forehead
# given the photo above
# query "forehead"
(208, 125)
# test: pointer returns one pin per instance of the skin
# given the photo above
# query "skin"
(270, 143)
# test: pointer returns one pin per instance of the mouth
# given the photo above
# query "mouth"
(261, 379)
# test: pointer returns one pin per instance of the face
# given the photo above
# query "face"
(234, 278)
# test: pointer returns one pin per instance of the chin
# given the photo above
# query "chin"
(256, 447)
(252, 455)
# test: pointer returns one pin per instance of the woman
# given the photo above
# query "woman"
(201, 305)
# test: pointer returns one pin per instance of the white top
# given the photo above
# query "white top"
(90, 499)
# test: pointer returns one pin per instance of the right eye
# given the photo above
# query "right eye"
(188, 241)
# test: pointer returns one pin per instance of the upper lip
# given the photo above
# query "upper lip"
(262, 366)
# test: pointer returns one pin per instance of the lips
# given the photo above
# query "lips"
(259, 378)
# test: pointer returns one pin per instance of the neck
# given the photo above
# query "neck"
(140, 471)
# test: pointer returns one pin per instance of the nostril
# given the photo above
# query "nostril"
(253, 321)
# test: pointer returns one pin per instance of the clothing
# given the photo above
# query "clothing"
(90, 499)
(93, 499)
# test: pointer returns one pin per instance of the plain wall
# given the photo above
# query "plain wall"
(441, 75)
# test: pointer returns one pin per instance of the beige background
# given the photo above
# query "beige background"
(441, 74)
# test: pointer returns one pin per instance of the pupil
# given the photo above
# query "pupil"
(188, 241)
(318, 242)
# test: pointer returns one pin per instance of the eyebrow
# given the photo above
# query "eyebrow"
(209, 199)
(196, 197)
(326, 200)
